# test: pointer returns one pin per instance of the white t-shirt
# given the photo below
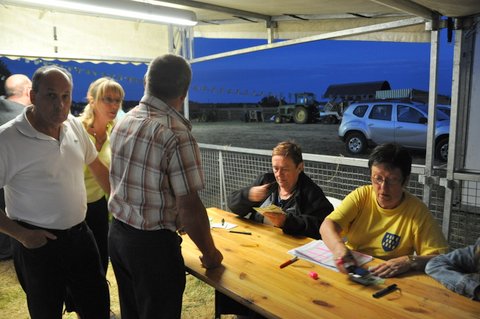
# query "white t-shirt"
(42, 176)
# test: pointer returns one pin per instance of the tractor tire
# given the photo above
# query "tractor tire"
(278, 119)
(356, 143)
(301, 115)
(441, 149)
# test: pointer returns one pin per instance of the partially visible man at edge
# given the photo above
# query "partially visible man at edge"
(42, 153)
(17, 89)
(155, 175)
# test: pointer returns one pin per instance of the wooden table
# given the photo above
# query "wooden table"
(251, 275)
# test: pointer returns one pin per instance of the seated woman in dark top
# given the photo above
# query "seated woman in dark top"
(303, 201)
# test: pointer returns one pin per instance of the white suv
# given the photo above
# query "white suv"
(373, 123)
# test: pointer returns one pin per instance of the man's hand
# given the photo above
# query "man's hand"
(392, 267)
(213, 260)
(35, 238)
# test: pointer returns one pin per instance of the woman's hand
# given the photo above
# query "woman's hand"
(258, 193)
(276, 219)
(392, 267)
(346, 262)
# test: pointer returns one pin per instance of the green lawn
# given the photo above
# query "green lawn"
(198, 299)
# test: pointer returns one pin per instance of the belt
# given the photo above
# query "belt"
(76, 228)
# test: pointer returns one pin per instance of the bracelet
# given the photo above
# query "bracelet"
(413, 261)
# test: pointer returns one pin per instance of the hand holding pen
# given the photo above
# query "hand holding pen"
(346, 263)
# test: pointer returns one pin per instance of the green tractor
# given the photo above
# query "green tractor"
(305, 110)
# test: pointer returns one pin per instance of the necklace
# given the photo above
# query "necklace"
(98, 140)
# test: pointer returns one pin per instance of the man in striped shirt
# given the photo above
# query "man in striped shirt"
(155, 177)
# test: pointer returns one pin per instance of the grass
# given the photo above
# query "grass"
(198, 299)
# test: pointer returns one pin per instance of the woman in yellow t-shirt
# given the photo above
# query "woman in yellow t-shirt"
(105, 97)
(384, 220)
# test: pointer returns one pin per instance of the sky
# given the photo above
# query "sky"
(308, 67)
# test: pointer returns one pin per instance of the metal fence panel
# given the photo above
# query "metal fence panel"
(229, 168)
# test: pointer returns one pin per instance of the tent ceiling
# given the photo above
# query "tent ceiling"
(77, 37)
(218, 11)
(286, 19)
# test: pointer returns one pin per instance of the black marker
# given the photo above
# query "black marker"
(240, 232)
(385, 291)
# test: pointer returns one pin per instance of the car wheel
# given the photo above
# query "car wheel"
(441, 149)
(356, 143)
(301, 115)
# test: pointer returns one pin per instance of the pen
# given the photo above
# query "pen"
(240, 232)
(385, 291)
(288, 262)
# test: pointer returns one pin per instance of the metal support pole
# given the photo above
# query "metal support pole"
(432, 102)
(455, 119)
(223, 188)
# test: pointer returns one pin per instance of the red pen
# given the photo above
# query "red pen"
(288, 262)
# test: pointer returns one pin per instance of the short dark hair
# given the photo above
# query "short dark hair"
(393, 156)
(43, 70)
(168, 76)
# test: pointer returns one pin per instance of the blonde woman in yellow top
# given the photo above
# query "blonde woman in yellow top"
(105, 97)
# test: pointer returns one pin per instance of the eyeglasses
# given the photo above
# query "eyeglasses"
(379, 180)
(109, 100)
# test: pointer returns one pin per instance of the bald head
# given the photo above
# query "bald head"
(17, 88)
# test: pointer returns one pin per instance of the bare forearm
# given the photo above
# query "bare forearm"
(100, 171)
(419, 262)
(195, 222)
(10, 227)
(197, 227)
(330, 232)
(27, 237)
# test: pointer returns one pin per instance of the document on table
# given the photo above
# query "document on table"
(270, 208)
(222, 224)
(318, 253)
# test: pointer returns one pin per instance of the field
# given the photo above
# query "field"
(313, 138)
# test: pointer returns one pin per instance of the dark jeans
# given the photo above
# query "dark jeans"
(69, 263)
(150, 271)
(97, 221)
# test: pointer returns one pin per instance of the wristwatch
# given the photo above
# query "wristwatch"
(413, 261)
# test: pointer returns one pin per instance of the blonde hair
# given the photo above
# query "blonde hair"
(289, 149)
(96, 91)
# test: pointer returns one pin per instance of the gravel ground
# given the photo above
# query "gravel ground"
(313, 138)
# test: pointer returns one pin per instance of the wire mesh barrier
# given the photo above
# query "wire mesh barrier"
(230, 168)
(465, 215)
